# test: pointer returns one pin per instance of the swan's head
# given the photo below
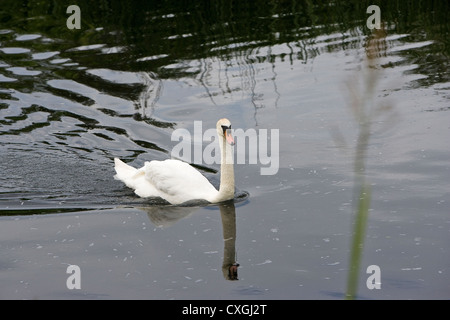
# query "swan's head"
(224, 130)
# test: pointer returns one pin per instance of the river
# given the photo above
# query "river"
(71, 100)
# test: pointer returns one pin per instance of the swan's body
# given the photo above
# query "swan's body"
(176, 181)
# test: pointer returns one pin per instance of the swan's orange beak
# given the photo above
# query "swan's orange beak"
(229, 137)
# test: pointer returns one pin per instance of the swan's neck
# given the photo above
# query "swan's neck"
(226, 189)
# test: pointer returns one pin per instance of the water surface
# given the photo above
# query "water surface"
(72, 100)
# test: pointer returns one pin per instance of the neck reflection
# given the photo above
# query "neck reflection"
(166, 216)
(229, 264)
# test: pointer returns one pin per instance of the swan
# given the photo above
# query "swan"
(176, 181)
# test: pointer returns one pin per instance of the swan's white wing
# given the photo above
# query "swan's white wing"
(177, 181)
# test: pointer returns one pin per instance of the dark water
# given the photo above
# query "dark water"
(72, 100)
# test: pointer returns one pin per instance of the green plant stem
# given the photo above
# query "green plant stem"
(359, 231)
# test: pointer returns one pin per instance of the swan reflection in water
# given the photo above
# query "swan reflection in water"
(165, 216)
(229, 265)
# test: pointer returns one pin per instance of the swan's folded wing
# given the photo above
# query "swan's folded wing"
(178, 179)
(143, 187)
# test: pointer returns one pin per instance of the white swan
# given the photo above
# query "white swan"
(176, 181)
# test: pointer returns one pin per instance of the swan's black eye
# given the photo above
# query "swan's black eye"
(224, 128)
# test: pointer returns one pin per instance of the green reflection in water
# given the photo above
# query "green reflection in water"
(149, 35)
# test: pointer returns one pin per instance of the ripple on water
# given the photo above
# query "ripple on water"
(14, 50)
(28, 37)
(20, 71)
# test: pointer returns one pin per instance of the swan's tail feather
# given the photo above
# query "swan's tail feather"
(124, 172)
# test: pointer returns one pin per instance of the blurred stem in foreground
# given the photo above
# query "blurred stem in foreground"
(364, 113)
(359, 231)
